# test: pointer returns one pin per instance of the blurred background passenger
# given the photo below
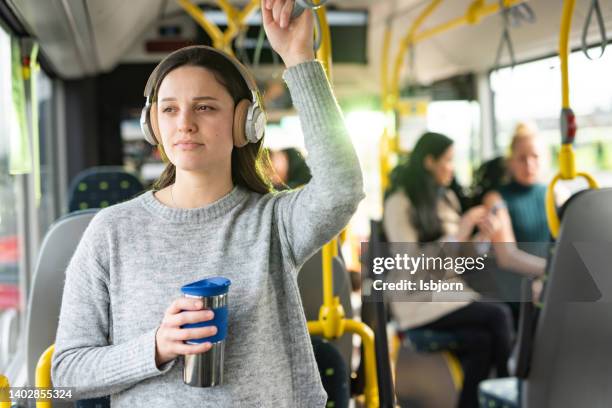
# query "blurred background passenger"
(490, 176)
(522, 203)
(421, 207)
(524, 194)
(290, 167)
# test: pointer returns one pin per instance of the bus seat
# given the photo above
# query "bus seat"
(310, 283)
(414, 371)
(334, 373)
(47, 286)
(573, 333)
(99, 187)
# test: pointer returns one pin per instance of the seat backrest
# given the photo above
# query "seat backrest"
(310, 283)
(424, 379)
(45, 300)
(572, 364)
(99, 187)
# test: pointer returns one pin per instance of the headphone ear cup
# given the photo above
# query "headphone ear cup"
(153, 124)
(145, 126)
(240, 117)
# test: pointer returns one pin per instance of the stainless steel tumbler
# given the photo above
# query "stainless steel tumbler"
(206, 369)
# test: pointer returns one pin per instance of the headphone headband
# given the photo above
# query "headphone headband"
(246, 75)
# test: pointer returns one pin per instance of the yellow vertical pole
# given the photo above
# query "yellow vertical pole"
(328, 283)
(324, 53)
(566, 22)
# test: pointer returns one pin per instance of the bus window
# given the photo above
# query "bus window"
(9, 241)
(48, 206)
(460, 121)
(531, 92)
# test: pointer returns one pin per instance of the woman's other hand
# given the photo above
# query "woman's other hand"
(169, 339)
(291, 39)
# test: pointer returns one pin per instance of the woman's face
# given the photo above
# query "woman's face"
(524, 163)
(442, 169)
(195, 115)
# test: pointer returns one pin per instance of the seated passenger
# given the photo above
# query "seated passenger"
(522, 207)
(422, 208)
(212, 213)
(524, 195)
(489, 176)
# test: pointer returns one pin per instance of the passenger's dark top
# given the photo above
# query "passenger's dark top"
(526, 205)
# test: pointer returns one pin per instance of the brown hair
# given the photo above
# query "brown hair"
(249, 163)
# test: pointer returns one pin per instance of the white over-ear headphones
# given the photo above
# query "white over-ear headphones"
(249, 116)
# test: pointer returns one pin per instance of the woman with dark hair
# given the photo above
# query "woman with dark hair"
(422, 208)
(290, 169)
(122, 327)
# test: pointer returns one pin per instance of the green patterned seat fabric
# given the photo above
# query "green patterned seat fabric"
(334, 373)
(99, 187)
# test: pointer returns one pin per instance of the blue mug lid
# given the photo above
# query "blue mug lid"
(214, 286)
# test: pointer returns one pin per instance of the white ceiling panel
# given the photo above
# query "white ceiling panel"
(83, 37)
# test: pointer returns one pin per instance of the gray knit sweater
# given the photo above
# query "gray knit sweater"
(135, 256)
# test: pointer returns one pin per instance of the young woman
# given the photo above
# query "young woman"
(120, 332)
(422, 208)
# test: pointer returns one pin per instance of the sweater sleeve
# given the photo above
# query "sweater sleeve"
(84, 358)
(311, 216)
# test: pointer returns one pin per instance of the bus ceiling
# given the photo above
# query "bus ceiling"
(84, 38)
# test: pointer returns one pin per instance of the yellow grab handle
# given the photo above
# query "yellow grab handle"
(316, 328)
(551, 211)
(371, 377)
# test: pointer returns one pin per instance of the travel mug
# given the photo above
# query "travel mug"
(206, 369)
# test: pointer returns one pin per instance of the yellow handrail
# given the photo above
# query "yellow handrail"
(475, 12)
(567, 159)
(324, 53)
(211, 28)
(367, 338)
(407, 41)
(235, 19)
(43, 374)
